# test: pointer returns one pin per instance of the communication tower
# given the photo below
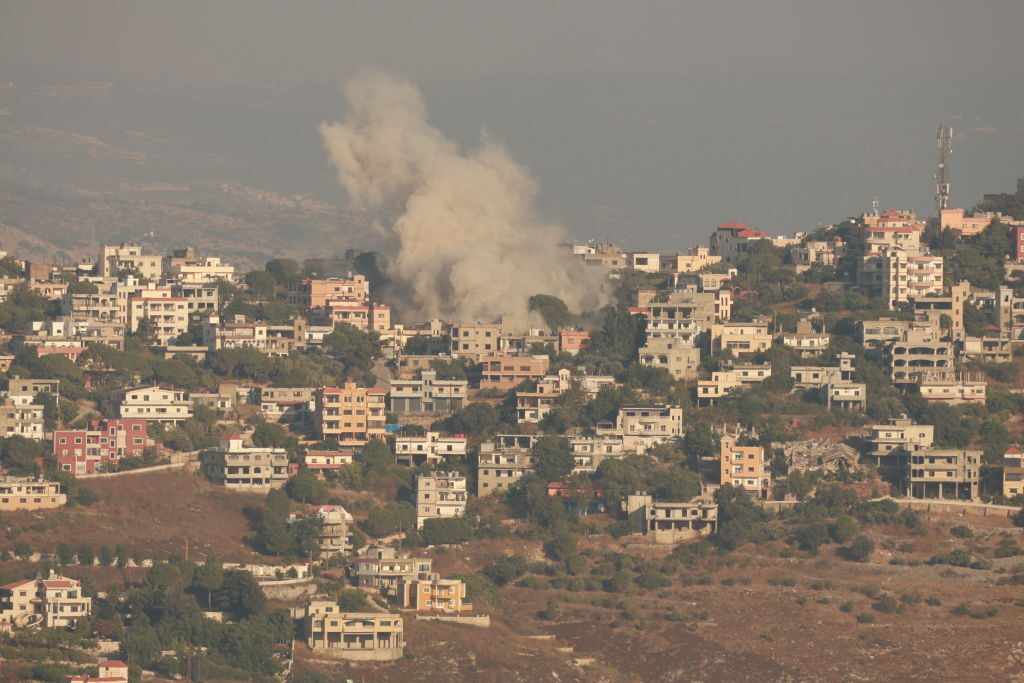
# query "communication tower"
(944, 140)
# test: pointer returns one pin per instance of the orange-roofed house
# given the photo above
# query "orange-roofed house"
(53, 602)
(731, 241)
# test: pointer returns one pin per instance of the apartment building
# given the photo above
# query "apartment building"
(851, 396)
(356, 636)
(351, 415)
(533, 406)
(504, 372)
(316, 293)
(201, 299)
(1010, 312)
(644, 261)
(322, 463)
(952, 387)
(475, 339)
(187, 267)
(920, 349)
(573, 341)
(806, 341)
(814, 253)
(101, 444)
(590, 451)
(383, 567)
(155, 404)
(430, 594)
(679, 357)
(933, 308)
(668, 522)
(337, 525)
(607, 256)
(744, 466)
(731, 241)
(439, 495)
(234, 333)
(24, 391)
(428, 394)
(116, 259)
(20, 419)
(286, 405)
(167, 315)
(431, 448)
(691, 261)
(53, 602)
(27, 493)
(643, 427)
(941, 473)
(235, 466)
(898, 275)
(742, 337)
(1013, 473)
(732, 376)
(503, 461)
(968, 226)
(898, 434)
(817, 376)
(686, 304)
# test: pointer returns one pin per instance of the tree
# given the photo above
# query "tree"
(861, 548)
(262, 284)
(240, 595)
(353, 347)
(391, 518)
(446, 530)
(677, 485)
(269, 435)
(552, 309)
(209, 577)
(283, 270)
(377, 456)
(700, 441)
(306, 488)
(554, 459)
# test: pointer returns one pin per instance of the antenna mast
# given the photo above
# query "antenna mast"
(944, 140)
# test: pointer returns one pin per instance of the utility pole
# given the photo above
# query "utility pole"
(944, 140)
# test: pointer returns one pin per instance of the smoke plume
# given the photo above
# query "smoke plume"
(465, 242)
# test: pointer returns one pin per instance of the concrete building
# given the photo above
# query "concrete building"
(356, 636)
(731, 377)
(818, 253)
(473, 340)
(53, 602)
(155, 404)
(806, 341)
(26, 493)
(533, 406)
(932, 308)
(201, 299)
(693, 260)
(643, 427)
(921, 348)
(115, 259)
(428, 394)
(383, 567)
(590, 451)
(315, 293)
(742, 337)
(167, 315)
(941, 473)
(335, 537)
(286, 405)
(351, 415)
(20, 419)
(669, 522)
(644, 261)
(235, 466)
(1013, 473)
(898, 434)
(439, 495)
(430, 594)
(503, 461)
(573, 341)
(680, 358)
(731, 241)
(505, 372)
(744, 466)
(952, 387)
(431, 448)
(322, 463)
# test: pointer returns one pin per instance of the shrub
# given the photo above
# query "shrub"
(865, 618)
(954, 558)
(887, 604)
(861, 548)
(962, 531)
(551, 611)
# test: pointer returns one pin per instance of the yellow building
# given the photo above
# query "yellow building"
(362, 636)
(53, 602)
(18, 493)
(430, 593)
(351, 414)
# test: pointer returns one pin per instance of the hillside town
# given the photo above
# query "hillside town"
(793, 389)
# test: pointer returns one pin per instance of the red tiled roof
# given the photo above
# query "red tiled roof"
(733, 225)
(16, 584)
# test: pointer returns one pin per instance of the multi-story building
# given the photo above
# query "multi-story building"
(431, 448)
(1010, 313)
(813, 253)
(383, 567)
(573, 341)
(742, 337)
(155, 404)
(335, 536)
(806, 341)
(681, 358)
(26, 493)
(898, 434)
(475, 339)
(503, 461)
(235, 466)
(287, 405)
(86, 451)
(128, 257)
(730, 377)
(941, 473)
(934, 308)
(968, 226)
(952, 387)
(731, 241)
(187, 267)
(20, 419)
(430, 594)
(312, 293)
(167, 315)
(201, 299)
(590, 451)
(357, 636)
(643, 427)
(644, 261)
(233, 334)
(668, 522)
(920, 349)
(693, 260)
(1013, 473)
(817, 376)
(439, 495)
(744, 466)
(363, 317)
(54, 602)
(428, 394)
(533, 406)
(321, 463)
(505, 372)
(24, 391)
(351, 415)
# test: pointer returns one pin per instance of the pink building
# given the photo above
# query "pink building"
(80, 451)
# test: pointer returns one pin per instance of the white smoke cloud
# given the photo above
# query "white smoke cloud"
(465, 240)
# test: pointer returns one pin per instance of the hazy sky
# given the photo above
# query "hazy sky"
(256, 40)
